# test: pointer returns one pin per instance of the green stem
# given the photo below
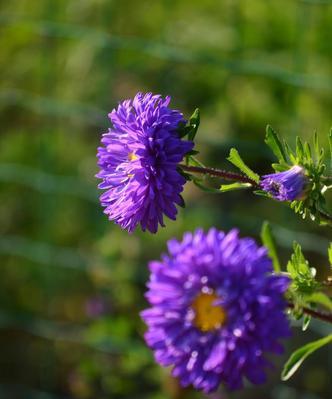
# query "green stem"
(326, 217)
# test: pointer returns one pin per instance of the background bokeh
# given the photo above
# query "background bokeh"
(72, 283)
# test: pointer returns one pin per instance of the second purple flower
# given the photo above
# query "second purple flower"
(138, 163)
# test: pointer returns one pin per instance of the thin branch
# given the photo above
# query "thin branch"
(327, 317)
(327, 218)
(220, 173)
(327, 283)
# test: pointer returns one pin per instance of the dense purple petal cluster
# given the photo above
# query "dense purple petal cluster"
(138, 163)
(216, 310)
(286, 186)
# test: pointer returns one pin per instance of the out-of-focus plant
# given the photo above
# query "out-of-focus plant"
(218, 302)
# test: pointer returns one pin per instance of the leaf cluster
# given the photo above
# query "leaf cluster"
(311, 158)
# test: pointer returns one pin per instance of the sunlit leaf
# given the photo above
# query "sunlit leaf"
(306, 322)
(235, 159)
(320, 298)
(298, 357)
(234, 186)
(330, 253)
(269, 243)
(273, 141)
(194, 122)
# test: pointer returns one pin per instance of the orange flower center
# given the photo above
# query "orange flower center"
(132, 156)
(208, 316)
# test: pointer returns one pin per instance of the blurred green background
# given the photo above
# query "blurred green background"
(72, 283)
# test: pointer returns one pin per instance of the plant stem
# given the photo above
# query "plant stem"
(327, 317)
(220, 173)
(326, 217)
(327, 283)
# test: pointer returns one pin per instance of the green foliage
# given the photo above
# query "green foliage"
(330, 254)
(74, 60)
(298, 357)
(313, 203)
(273, 141)
(234, 186)
(235, 159)
(191, 127)
(269, 243)
(303, 280)
(305, 289)
(319, 298)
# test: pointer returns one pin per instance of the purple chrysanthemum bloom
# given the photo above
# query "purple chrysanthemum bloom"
(138, 163)
(286, 186)
(216, 310)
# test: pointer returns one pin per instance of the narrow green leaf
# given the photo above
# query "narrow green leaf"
(235, 159)
(280, 167)
(273, 141)
(206, 188)
(289, 152)
(194, 122)
(330, 145)
(234, 186)
(330, 253)
(269, 243)
(320, 298)
(298, 357)
(307, 151)
(195, 162)
(299, 148)
(262, 193)
(306, 322)
(316, 145)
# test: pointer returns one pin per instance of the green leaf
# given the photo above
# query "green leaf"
(316, 145)
(298, 266)
(195, 162)
(306, 322)
(330, 253)
(307, 151)
(320, 298)
(210, 190)
(299, 148)
(273, 141)
(234, 186)
(194, 122)
(235, 159)
(298, 357)
(268, 241)
(330, 145)
(262, 193)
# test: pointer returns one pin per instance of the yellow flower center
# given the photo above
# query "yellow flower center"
(132, 156)
(208, 316)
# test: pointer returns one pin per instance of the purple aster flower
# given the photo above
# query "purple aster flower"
(138, 163)
(216, 310)
(286, 186)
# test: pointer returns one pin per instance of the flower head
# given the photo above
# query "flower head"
(138, 163)
(216, 310)
(286, 186)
